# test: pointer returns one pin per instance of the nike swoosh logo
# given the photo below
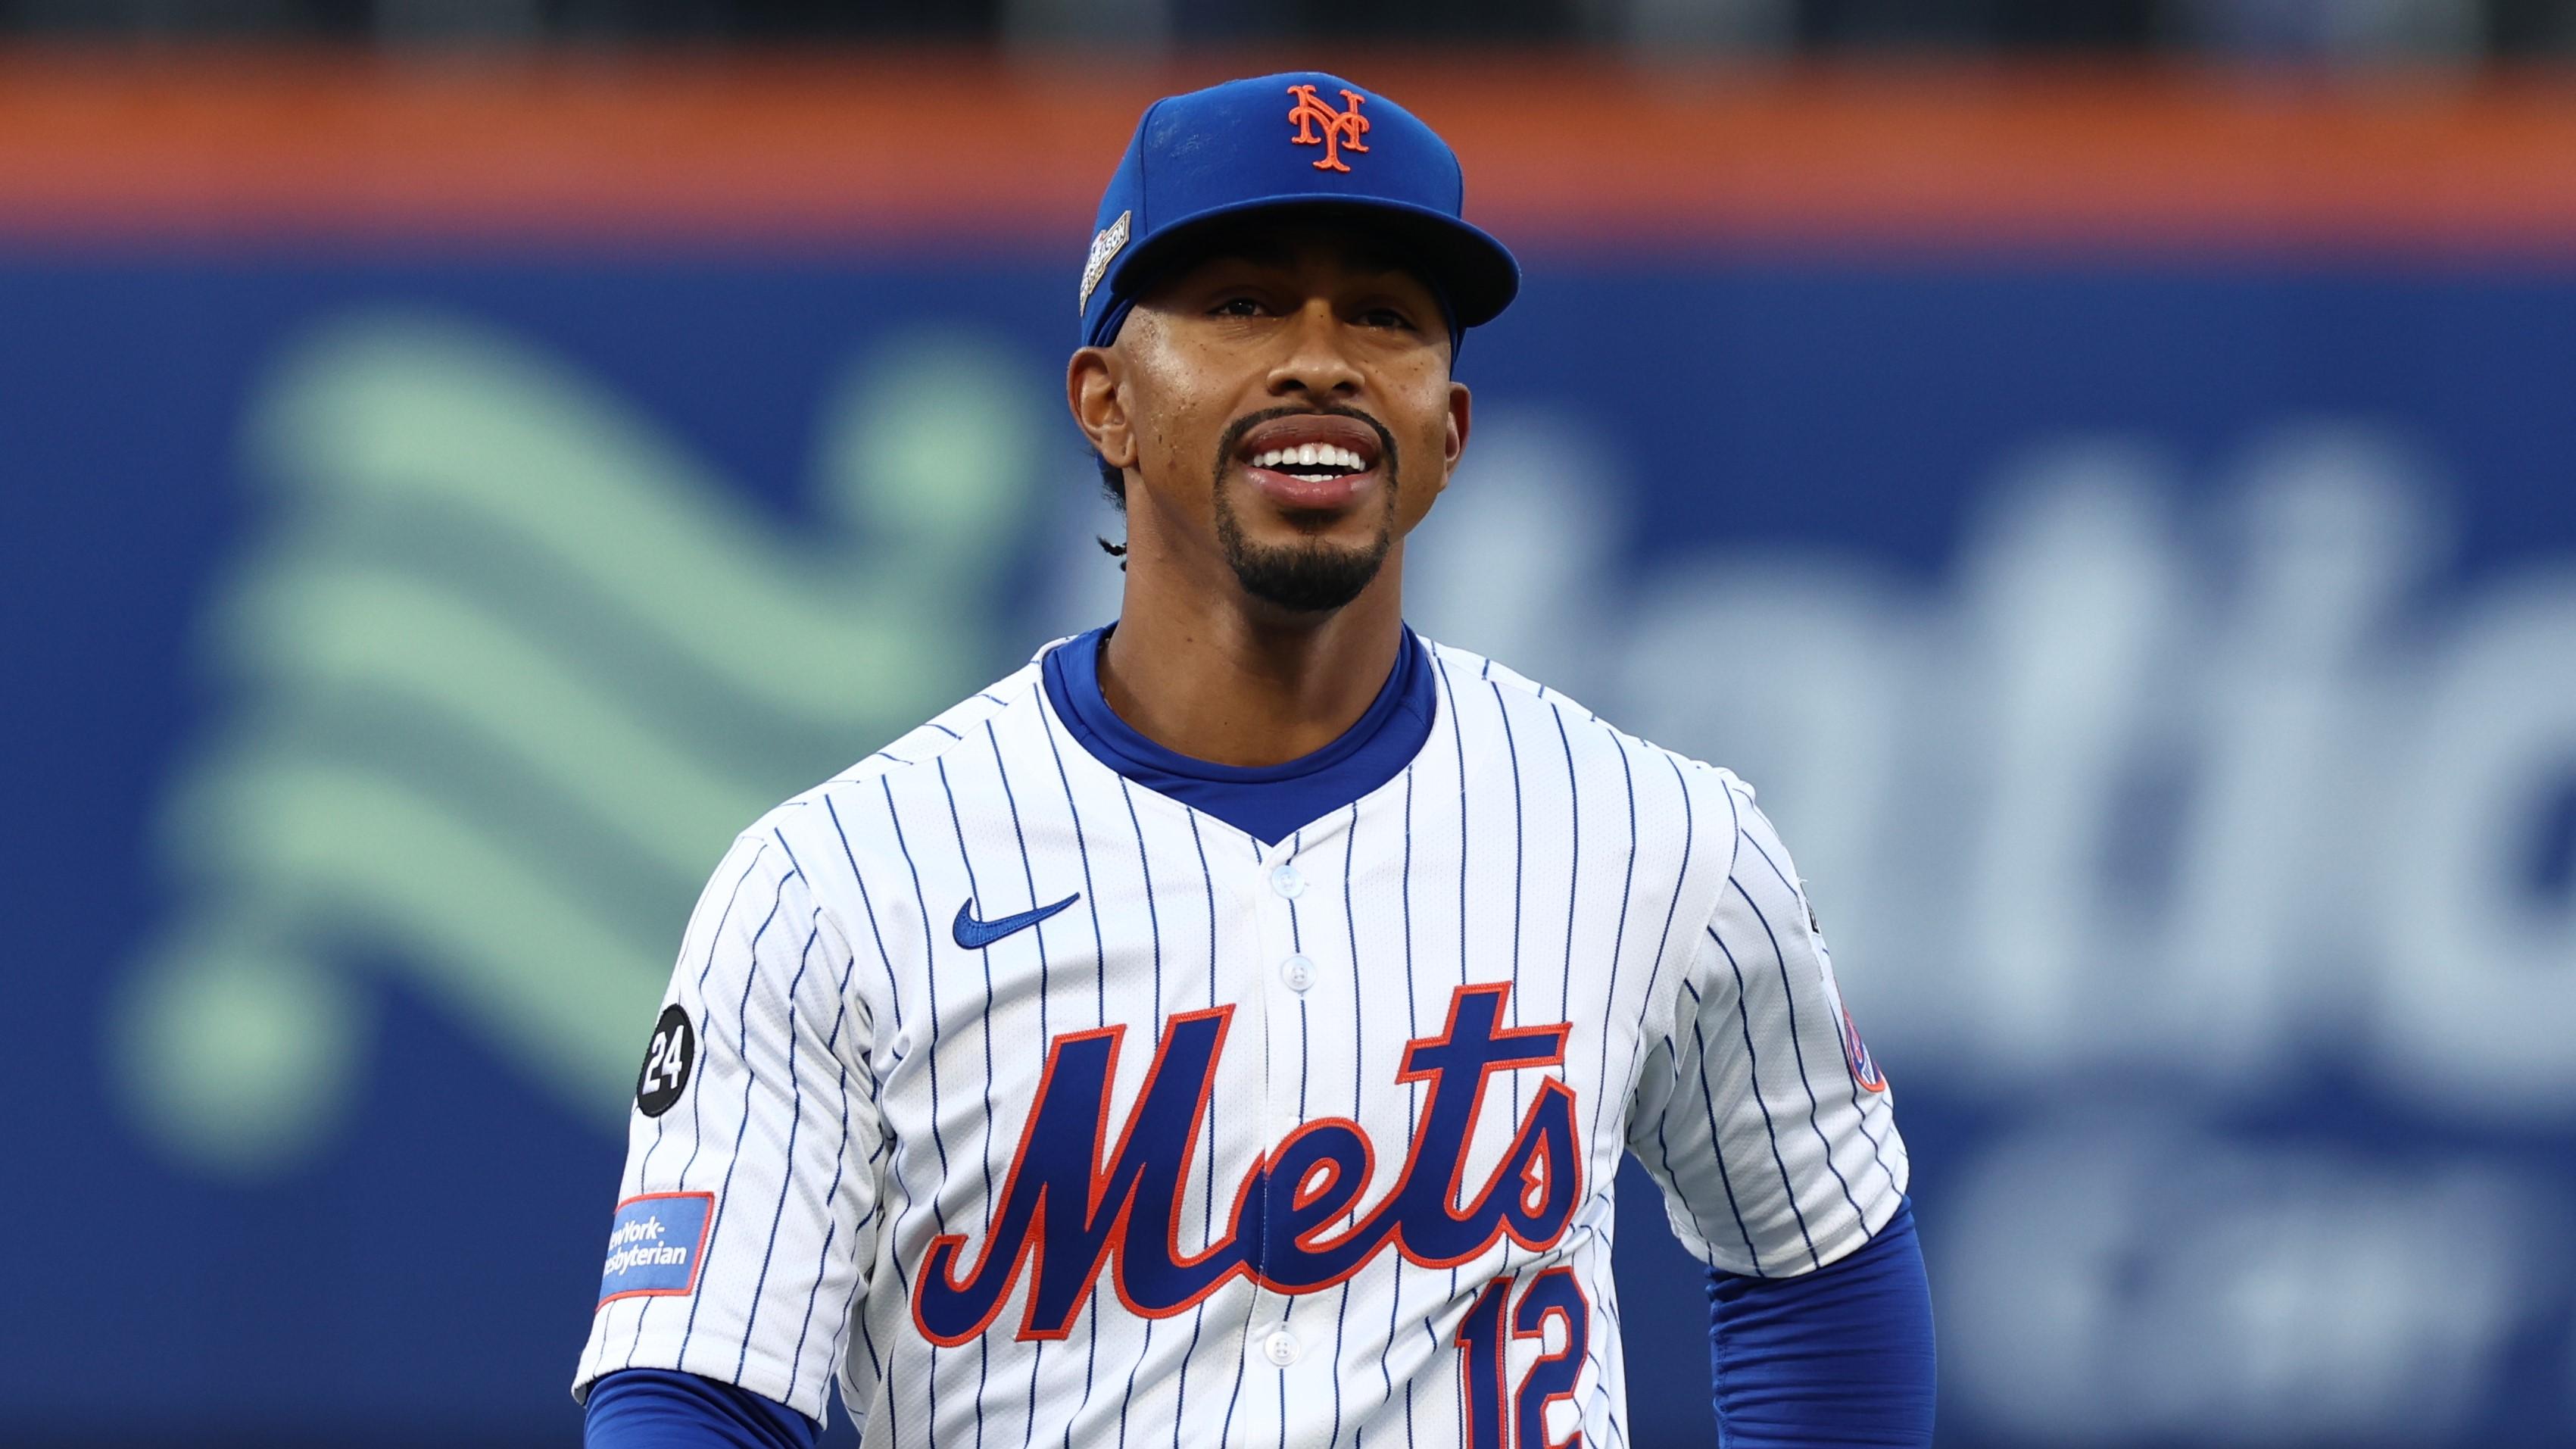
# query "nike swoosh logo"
(975, 935)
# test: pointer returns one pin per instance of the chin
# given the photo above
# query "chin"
(1303, 574)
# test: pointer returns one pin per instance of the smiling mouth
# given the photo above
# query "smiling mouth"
(1315, 464)
(1312, 462)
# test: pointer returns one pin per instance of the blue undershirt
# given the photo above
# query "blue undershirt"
(1841, 1356)
(660, 1409)
(1266, 802)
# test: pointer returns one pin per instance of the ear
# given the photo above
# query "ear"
(1091, 390)
(1453, 444)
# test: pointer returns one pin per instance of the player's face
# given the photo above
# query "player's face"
(1286, 404)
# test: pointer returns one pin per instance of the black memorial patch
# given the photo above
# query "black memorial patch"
(668, 1062)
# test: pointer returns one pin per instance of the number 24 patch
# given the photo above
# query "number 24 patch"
(668, 1062)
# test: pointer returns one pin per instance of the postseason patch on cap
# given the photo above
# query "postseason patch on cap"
(654, 1245)
(1104, 249)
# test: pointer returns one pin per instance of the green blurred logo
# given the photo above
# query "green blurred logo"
(508, 668)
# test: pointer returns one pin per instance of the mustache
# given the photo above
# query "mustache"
(1233, 438)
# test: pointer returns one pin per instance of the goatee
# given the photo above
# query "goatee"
(1305, 578)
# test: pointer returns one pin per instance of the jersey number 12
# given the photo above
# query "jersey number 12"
(1520, 1421)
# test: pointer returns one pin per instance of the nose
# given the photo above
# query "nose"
(1315, 362)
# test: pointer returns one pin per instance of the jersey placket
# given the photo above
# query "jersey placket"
(1284, 972)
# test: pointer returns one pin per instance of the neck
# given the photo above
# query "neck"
(1219, 676)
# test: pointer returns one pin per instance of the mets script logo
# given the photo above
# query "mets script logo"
(1069, 1216)
(1342, 129)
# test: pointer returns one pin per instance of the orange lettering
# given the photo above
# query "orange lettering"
(1342, 129)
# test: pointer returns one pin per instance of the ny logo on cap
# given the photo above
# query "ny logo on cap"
(1342, 129)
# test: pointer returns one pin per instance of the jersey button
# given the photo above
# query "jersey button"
(1298, 972)
(1282, 1348)
(1287, 882)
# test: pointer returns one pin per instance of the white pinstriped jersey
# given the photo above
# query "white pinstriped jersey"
(1043, 1109)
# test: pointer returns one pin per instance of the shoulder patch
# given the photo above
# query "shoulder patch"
(669, 1061)
(655, 1244)
(1864, 1067)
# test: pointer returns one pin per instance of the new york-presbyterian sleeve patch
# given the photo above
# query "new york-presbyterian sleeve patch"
(654, 1245)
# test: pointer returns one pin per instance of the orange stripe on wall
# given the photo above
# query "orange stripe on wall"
(266, 145)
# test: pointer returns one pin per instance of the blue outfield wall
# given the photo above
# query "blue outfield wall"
(2164, 670)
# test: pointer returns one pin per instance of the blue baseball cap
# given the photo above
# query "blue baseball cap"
(1301, 141)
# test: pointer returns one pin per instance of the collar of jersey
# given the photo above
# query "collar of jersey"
(1266, 802)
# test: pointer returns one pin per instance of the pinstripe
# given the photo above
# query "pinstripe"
(1207, 1226)
(1090, 893)
(1412, 1029)
(795, 1080)
(1753, 1075)
(1573, 899)
(714, 939)
(1241, 1358)
(898, 1175)
(1726, 1182)
(1512, 754)
(1672, 909)
(1288, 1312)
(1305, 1065)
(1046, 977)
(1798, 1053)
(930, 987)
(894, 988)
(1611, 1406)
(858, 1275)
(707, 1039)
(1458, 734)
(1100, 978)
(1359, 1086)
(1877, 1150)
(876, 1093)
(1573, 868)
(644, 1169)
(984, 1020)
(1717, 1138)
(1619, 941)
(840, 1156)
(795, 1122)
(1145, 881)
(1011, 799)
(840, 1161)
(890, 1397)
(750, 1079)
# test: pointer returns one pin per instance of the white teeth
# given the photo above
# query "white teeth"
(1307, 455)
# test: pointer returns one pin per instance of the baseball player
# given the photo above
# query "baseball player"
(1227, 1028)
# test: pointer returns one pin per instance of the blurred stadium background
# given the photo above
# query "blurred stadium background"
(2107, 472)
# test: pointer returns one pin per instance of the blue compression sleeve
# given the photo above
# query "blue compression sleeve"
(1841, 1356)
(658, 1409)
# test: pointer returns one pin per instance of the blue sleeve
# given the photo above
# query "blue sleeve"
(1841, 1356)
(658, 1409)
